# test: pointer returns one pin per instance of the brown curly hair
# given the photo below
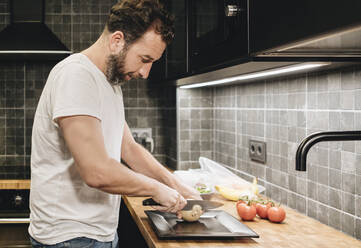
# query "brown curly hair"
(134, 17)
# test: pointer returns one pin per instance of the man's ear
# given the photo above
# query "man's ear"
(116, 42)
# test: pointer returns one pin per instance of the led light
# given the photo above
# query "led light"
(281, 70)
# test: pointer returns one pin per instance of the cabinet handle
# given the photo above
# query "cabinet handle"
(232, 10)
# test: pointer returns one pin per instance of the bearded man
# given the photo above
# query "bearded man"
(80, 135)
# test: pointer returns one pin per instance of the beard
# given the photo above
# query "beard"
(115, 71)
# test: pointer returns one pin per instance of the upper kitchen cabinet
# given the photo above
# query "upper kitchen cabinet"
(304, 28)
(208, 34)
(177, 54)
(174, 62)
(218, 39)
(157, 72)
(218, 33)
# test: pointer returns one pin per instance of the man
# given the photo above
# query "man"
(80, 136)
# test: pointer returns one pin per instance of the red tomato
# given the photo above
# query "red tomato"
(262, 210)
(253, 203)
(239, 202)
(246, 212)
(276, 214)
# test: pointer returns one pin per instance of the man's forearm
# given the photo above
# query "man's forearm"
(116, 178)
(140, 160)
(83, 136)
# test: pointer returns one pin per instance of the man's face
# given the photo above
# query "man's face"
(136, 60)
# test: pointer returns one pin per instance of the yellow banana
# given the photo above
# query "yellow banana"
(235, 195)
(229, 193)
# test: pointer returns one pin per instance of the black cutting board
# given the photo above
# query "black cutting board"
(214, 224)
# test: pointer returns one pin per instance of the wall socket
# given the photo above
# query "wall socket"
(141, 132)
(143, 136)
(257, 151)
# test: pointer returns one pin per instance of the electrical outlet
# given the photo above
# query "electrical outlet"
(143, 136)
(257, 151)
(141, 132)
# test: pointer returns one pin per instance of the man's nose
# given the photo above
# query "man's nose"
(145, 69)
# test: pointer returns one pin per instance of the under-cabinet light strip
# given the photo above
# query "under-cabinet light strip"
(260, 74)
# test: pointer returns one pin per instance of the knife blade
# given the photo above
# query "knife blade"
(205, 204)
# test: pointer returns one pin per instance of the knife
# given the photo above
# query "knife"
(205, 204)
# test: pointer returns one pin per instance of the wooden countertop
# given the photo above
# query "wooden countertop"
(297, 231)
(14, 184)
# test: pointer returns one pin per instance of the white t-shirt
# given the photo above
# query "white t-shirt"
(62, 206)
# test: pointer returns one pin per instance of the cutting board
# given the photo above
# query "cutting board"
(214, 224)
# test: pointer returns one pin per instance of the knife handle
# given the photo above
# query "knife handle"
(150, 202)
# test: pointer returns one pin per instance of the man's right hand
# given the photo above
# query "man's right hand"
(170, 199)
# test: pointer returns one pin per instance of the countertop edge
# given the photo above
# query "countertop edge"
(15, 184)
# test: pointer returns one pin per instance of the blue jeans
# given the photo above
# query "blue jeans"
(81, 242)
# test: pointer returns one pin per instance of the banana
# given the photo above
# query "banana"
(234, 194)
(229, 193)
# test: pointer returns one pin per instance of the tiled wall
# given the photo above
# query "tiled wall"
(148, 104)
(194, 126)
(20, 88)
(282, 112)
(78, 24)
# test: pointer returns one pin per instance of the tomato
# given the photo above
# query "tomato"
(276, 214)
(239, 202)
(253, 203)
(262, 210)
(246, 212)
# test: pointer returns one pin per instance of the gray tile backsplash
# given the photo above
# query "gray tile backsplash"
(153, 105)
(20, 88)
(282, 112)
(195, 122)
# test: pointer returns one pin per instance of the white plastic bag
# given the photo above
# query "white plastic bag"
(211, 174)
(194, 177)
(223, 176)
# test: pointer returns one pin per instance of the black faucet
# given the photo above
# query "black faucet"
(309, 141)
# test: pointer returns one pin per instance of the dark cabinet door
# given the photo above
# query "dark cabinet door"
(177, 55)
(209, 34)
(174, 62)
(278, 22)
(157, 72)
(218, 32)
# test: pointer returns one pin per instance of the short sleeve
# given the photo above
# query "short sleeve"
(75, 92)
